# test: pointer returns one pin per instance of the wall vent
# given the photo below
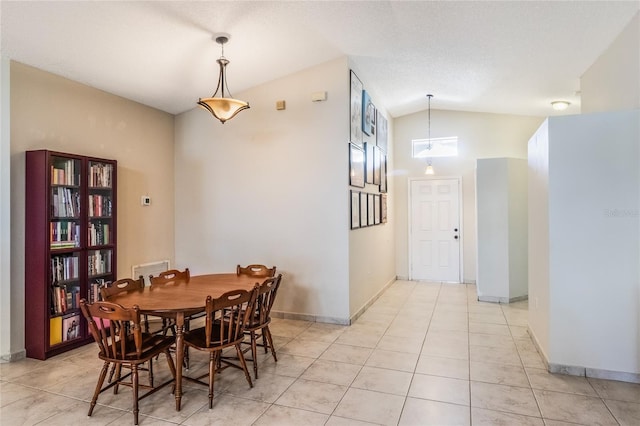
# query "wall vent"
(152, 268)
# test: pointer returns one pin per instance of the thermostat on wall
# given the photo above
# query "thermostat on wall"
(146, 200)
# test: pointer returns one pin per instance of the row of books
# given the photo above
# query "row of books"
(64, 234)
(100, 175)
(99, 262)
(64, 173)
(94, 289)
(65, 202)
(64, 268)
(64, 328)
(99, 233)
(99, 206)
(64, 299)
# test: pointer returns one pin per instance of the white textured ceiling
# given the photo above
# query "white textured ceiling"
(491, 56)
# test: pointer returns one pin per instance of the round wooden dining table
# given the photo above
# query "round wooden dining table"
(182, 298)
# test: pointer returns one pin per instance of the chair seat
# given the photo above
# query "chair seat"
(255, 324)
(198, 338)
(151, 344)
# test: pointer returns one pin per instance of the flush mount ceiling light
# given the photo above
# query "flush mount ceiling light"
(429, 170)
(560, 105)
(224, 107)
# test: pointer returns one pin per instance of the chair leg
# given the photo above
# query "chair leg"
(267, 333)
(254, 353)
(151, 372)
(243, 362)
(213, 358)
(118, 376)
(134, 379)
(103, 374)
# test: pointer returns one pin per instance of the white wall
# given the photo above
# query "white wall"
(6, 351)
(480, 135)
(518, 229)
(594, 250)
(501, 211)
(593, 276)
(538, 253)
(612, 83)
(372, 256)
(271, 187)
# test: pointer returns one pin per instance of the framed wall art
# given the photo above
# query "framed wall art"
(376, 165)
(369, 152)
(371, 210)
(376, 209)
(363, 210)
(381, 131)
(383, 173)
(368, 114)
(355, 209)
(356, 109)
(383, 208)
(356, 166)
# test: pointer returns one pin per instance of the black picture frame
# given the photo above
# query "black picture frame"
(355, 209)
(369, 149)
(368, 115)
(355, 109)
(376, 209)
(363, 210)
(382, 131)
(376, 165)
(356, 166)
(371, 210)
(383, 208)
(383, 173)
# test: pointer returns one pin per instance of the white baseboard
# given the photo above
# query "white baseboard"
(574, 370)
(13, 356)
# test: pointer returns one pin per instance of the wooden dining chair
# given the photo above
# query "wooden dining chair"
(258, 325)
(226, 317)
(258, 271)
(119, 286)
(172, 275)
(117, 331)
(163, 278)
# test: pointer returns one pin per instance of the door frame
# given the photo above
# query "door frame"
(458, 179)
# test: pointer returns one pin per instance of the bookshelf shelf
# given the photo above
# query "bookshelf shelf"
(70, 246)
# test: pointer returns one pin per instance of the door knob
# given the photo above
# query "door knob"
(455, 229)
(456, 237)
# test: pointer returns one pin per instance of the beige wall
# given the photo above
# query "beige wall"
(50, 112)
(612, 83)
(480, 135)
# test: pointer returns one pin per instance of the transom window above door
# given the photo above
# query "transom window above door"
(435, 147)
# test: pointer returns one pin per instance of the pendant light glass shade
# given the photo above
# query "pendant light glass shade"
(429, 170)
(223, 108)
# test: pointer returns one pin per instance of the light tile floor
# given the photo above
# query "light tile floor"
(422, 354)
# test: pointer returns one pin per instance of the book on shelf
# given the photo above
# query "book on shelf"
(55, 330)
(94, 289)
(70, 327)
(63, 172)
(100, 175)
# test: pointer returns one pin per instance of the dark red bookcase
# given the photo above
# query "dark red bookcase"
(70, 246)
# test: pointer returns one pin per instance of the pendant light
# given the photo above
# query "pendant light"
(429, 170)
(223, 108)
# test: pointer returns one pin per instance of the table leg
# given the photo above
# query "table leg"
(179, 356)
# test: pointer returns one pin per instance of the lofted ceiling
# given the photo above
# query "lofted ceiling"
(490, 56)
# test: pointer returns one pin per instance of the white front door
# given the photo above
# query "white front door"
(434, 229)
